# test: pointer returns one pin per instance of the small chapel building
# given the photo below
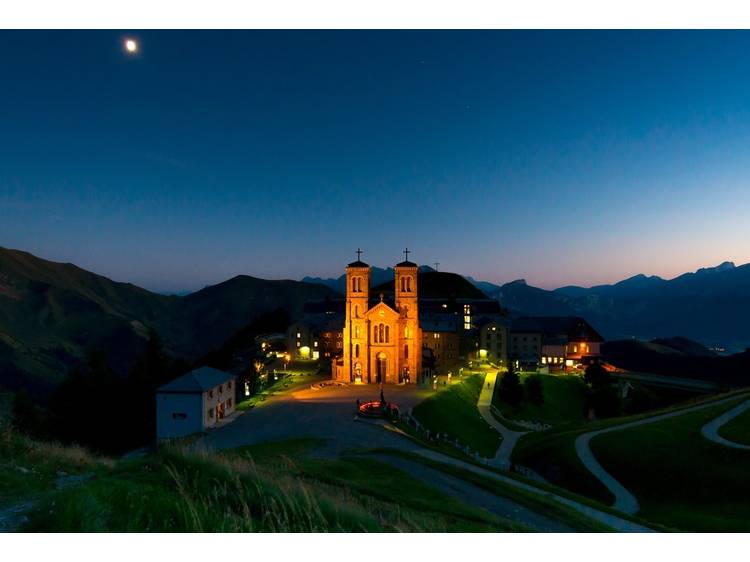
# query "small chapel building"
(382, 341)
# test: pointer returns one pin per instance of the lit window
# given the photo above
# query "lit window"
(315, 344)
(299, 335)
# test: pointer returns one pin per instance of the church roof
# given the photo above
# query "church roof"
(198, 380)
(406, 264)
(358, 263)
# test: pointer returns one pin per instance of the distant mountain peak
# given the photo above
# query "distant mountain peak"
(723, 266)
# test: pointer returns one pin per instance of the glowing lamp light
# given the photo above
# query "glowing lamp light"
(483, 353)
(131, 45)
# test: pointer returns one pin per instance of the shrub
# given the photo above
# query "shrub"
(597, 376)
(535, 390)
(511, 390)
(605, 402)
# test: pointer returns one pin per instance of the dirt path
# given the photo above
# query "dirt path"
(624, 500)
(711, 430)
(510, 437)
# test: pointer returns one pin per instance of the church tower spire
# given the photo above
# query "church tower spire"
(407, 304)
(355, 323)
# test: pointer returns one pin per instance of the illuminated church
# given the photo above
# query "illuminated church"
(382, 341)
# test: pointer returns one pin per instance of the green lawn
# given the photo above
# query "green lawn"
(454, 411)
(552, 454)
(681, 479)
(738, 429)
(271, 487)
(564, 400)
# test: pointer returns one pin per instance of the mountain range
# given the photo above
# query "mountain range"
(711, 305)
(52, 313)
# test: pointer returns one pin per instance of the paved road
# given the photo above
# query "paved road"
(711, 430)
(510, 437)
(476, 496)
(624, 500)
(329, 414)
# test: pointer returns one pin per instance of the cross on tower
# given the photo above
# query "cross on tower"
(406, 253)
(359, 253)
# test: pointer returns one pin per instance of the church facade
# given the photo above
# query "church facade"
(382, 341)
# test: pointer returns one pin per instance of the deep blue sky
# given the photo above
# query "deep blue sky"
(561, 157)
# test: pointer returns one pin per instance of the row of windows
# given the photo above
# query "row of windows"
(221, 389)
(381, 333)
(356, 351)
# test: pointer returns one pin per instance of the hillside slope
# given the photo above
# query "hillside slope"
(52, 313)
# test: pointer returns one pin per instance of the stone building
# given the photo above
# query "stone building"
(381, 342)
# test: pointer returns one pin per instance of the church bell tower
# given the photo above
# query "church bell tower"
(355, 324)
(410, 352)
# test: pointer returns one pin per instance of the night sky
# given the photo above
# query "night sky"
(559, 157)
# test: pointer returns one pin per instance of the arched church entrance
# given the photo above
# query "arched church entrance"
(381, 367)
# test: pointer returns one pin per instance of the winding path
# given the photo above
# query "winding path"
(624, 500)
(711, 430)
(510, 437)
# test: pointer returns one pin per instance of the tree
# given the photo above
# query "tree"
(605, 402)
(535, 390)
(88, 407)
(25, 415)
(597, 376)
(511, 391)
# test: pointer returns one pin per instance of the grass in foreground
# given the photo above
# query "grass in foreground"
(454, 411)
(738, 429)
(680, 478)
(29, 468)
(266, 488)
(564, 400)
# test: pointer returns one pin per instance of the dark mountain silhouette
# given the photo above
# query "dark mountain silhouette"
(710, 306)
(52, 313)
(378, 276)
(435, 284)
(678, 357)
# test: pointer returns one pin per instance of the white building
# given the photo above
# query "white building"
(194, 402)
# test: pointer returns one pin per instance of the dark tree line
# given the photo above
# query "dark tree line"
(512, 391)
(97, 408)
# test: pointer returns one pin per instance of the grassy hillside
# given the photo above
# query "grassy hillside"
(552, 453)
(738, 429)
(454, 411)
(272, 487)
(52, 313)
(564, 400)
(679, 477)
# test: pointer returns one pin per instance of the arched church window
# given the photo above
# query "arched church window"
(381, 333)
(356, 350)
(375, 333)
(356, 311)
(406, 352)
(387, 334)
(408, 284)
